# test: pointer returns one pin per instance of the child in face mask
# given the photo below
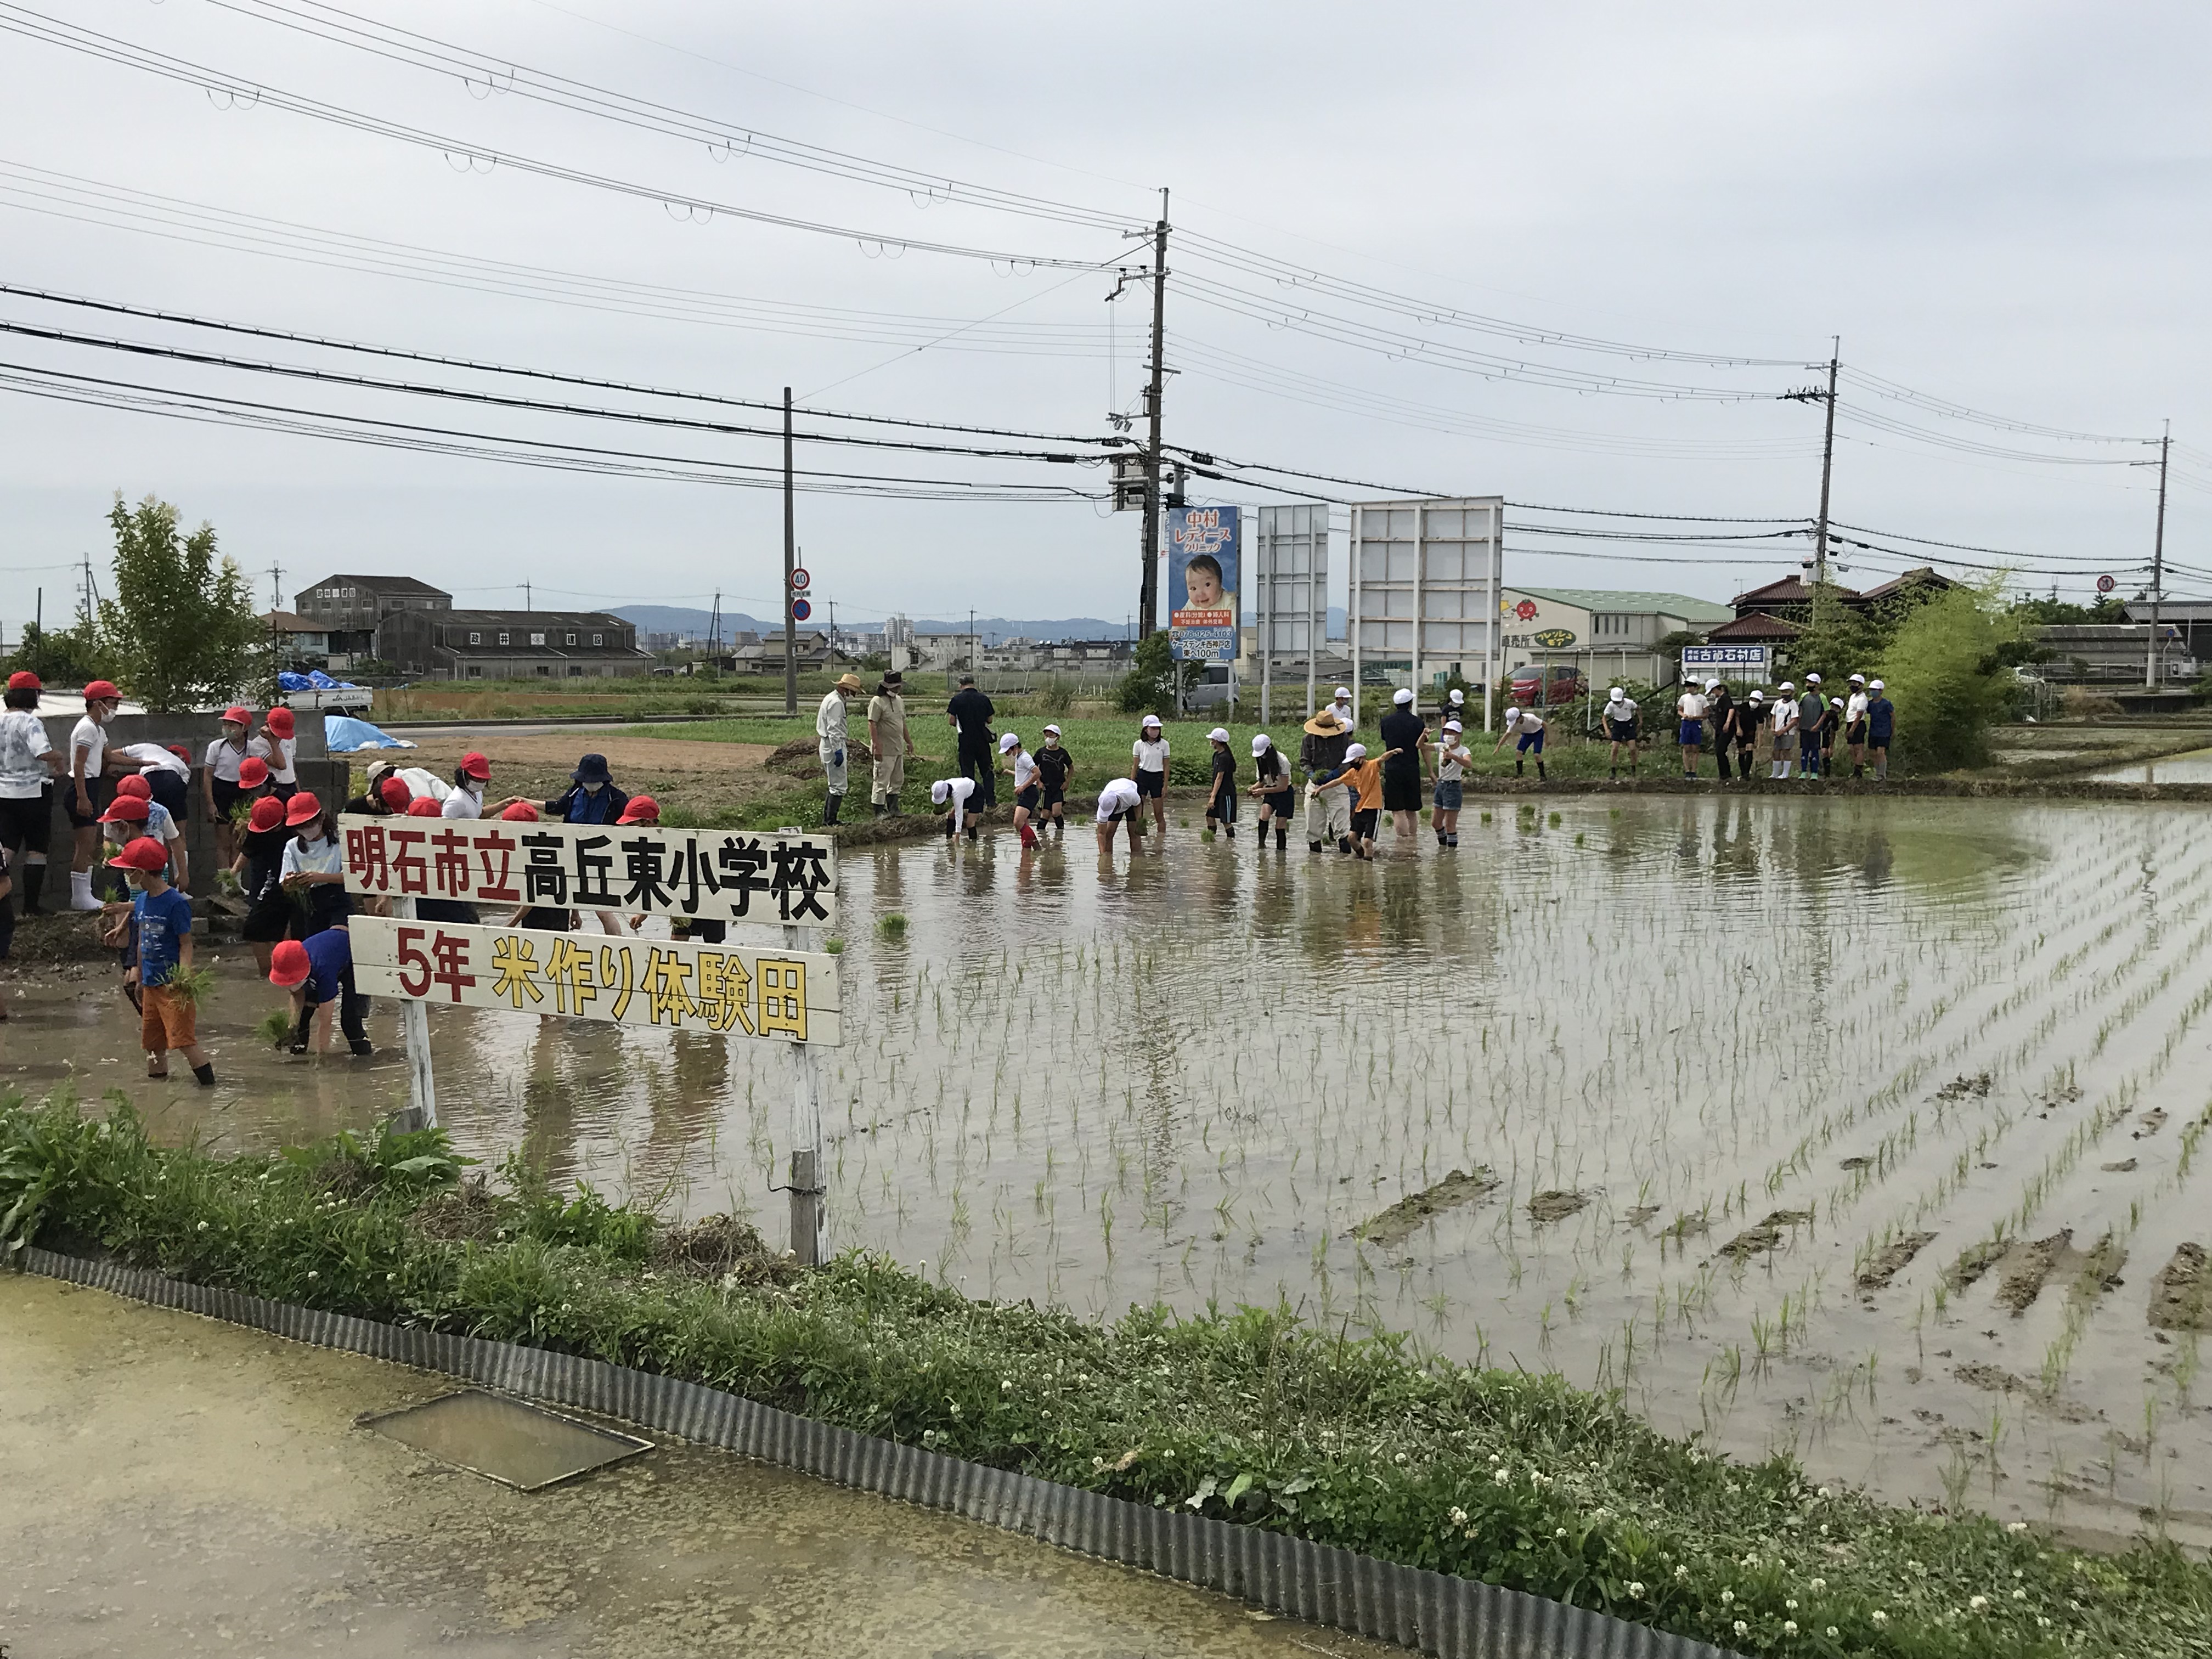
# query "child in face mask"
(161, 925)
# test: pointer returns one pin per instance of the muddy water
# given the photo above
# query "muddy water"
(1739, 1091)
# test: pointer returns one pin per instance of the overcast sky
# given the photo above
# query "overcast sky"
(2002, 206)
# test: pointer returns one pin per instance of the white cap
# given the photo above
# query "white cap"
(1220, 734)
(1712, 685)
(1788, 685)
(939, 790)
(1759, 697)
(1148, 720)
(1858, 679)
(1615, 695)
(1874, 685)
(1343, 694)
(1458, 697)
(1054, 730)
(1403, 694)
(1011, 742)
(1512, 713)
(1356, 751)
(1811, 679)
(1262, 743)
(1454, 726)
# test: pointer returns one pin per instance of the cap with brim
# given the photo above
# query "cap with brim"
(1343, 694)
(252, 772)
(1712, 685)
(1322, 725)
(521, 811)
(1615, 695)
(135, 784)
(268, 813)
(1858, 679)
(1356, 751)
(302, 808)
(1148, 720)
(1789, 685)
(1010, 742)
(593, 768)
(939, 790)
(1811, 679)
(395, 793)
(1454, 726)
(280, 721)
(1759, 697)
(425, 806)
(476, 766)
(144, 855)
(1458, 697)
(641, 809)
(181, 753)
(1403, 694)
(127, 809)
(1262, 743)
(1053, 731)
(238, 715)
(1875, 685)
(24, 680)
(102, 691)
(1220, 734)
(289, 965)
(894, 678)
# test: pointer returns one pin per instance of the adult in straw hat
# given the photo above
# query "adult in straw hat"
(830, 732)
(1321, 754)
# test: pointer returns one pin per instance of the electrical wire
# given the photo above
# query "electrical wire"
(1944, 406)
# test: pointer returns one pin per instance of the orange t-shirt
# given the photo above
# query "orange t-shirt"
(1369, 774)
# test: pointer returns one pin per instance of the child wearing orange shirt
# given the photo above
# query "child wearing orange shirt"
(1363, 777)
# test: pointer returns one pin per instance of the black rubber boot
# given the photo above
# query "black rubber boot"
(204, 1075)
(1282, 839)
(1542, 776)
(830, 806)
(1517, 768)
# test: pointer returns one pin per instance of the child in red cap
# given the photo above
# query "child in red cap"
(131, 815)
(220, 785)
(278, 745)
(260, 868)
(318, 972)
(85, 795)
(313, 868)
(29, 763)
(162, 937)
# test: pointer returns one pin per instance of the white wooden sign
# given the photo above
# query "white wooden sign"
(707, 875)
(677, 984)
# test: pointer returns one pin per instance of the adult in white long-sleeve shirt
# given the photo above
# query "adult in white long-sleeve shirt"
(829, 736)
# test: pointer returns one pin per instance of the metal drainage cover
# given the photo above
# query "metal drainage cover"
(519, 1445)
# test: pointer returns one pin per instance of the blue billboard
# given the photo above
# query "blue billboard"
(1203, 549)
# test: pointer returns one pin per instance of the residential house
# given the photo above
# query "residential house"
(510, 645)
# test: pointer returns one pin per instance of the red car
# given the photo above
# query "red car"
(1545, 686)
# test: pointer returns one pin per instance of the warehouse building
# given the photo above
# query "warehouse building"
(510, 645)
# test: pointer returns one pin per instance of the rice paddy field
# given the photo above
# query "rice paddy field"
(1868, 1127)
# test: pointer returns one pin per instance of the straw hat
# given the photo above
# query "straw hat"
(1323, 725)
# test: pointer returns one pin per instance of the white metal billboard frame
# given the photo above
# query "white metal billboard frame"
(1494, 506)
(1309, 537)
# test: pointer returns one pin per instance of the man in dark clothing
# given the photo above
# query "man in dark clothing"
(593, 800)
(971, 713)
(1321, 754)
(1404, 733)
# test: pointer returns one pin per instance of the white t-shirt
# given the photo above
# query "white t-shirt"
(324, 857)
(1119, 795)
(89, 735)
(1785, 718)
(1024, 770)
(1150, 757)
(1452, 762)
(224, 757)
(281, 756)
(465, 802)
(1518, 719)
(1690, 706)
(419, 782)
(1856, 707)
(153, 758)
(1343, 713)
(956, 793)
(1620, 708)
(24, 739)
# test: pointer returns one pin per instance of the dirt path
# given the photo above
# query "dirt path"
(179, 1487)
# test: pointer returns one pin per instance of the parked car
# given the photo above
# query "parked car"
(1546, 685)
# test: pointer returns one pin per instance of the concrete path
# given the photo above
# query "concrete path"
(177, 1486)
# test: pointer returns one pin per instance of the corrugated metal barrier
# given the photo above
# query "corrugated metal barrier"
(1429, 1611)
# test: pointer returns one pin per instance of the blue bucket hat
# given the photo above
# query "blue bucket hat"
(593, 768)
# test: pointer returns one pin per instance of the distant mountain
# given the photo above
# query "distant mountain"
(690, 624)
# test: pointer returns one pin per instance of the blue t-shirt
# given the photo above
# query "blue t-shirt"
(162, 920)
(1882, 718)
(329, 959)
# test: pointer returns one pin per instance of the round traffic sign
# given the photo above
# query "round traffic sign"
(799, 578)
(800, 610)
(2106, 584)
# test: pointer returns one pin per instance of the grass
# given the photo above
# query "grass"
(1254, 1414)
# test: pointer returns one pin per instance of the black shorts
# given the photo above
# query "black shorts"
(1223, 810)
(1621, 731)
(1150, 783)
(1027, 799)
(270, 919)
(1401, 791)
(28, 824)
(101, 794)
(454, 910)
(227, 794)
(1054, 794)
(1279, 802)
(283, 791)
(1109, 823)
(1363, 823)
(166, 787)
(1855, 731)
(543, 920)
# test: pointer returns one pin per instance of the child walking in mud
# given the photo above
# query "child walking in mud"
(161, 938)
(1273, 787)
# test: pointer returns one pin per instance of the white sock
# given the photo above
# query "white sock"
(80, 896)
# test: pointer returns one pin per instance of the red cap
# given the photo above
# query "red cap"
(24, 680)
(475, 765)
(641, 809)
(288, 964)
(395, 793)
(127, 809)
(102, 691)
(252, 772)
(144, 855)
(302, 808)
(181, 753)
(238, 715)
(425, 806)
(521, 813)
(279, 721)
(135, 784)
(268, 813)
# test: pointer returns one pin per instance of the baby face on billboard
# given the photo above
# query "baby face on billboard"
(1201, 582)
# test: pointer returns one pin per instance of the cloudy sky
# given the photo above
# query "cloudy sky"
(1570, 255)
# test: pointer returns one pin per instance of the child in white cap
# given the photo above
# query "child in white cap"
(1854, 723)
(1341, 708)
(1881, 722)
(1620, 728)
(1221, 787)
(1362, 778)
(1119, 803)
(1027, 791)
(1453, 758)
(1784, 726)
(1148, 767)
(1690, 709)
(953, 795)
(1273, 787)
(1526, 727)
(1054, 767)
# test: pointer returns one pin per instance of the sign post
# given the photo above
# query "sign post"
(786, 880)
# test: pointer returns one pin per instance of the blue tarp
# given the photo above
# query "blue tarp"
(314, 680)
(342, 734)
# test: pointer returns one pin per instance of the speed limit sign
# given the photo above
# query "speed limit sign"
(2106, 584)
(799, 578)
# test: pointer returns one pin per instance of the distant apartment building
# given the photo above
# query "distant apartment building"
(349, 609)
(510, 645)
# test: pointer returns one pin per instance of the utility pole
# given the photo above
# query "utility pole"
(830, 606)
(790, 564)
(971, 640)
(2157, 564)
(1813, 394)
(525, 597)
(275, 657)
(1148, 589)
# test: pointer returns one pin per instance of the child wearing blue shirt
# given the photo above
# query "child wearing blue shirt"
(161, 935)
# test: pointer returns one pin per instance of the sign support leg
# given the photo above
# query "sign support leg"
(809, 1220)
(422, 1111)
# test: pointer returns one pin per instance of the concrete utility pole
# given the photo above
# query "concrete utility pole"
(2157, 564)
(1148, 589)
(275, 653)
(1813, 394)
(790, 564)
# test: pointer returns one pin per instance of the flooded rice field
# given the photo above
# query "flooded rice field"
(1868, 1128)
(2195, 767)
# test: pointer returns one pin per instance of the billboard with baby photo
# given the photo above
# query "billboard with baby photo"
(1202, 547)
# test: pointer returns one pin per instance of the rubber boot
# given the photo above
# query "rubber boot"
(1517, 768)
(1230, 830)
(1344, 844)
(830, 806)
(1029, 837)
(204, 1075)
(877, 809)
(1542, 776)
(32, 879)
(1283, 840)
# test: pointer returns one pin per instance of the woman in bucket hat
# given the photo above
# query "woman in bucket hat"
(592, 798)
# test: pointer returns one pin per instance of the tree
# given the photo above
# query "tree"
(1150, 684)
(61, 657)
(1948, 669)
(180, 630)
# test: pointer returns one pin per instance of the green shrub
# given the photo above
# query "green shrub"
(1949, 670)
